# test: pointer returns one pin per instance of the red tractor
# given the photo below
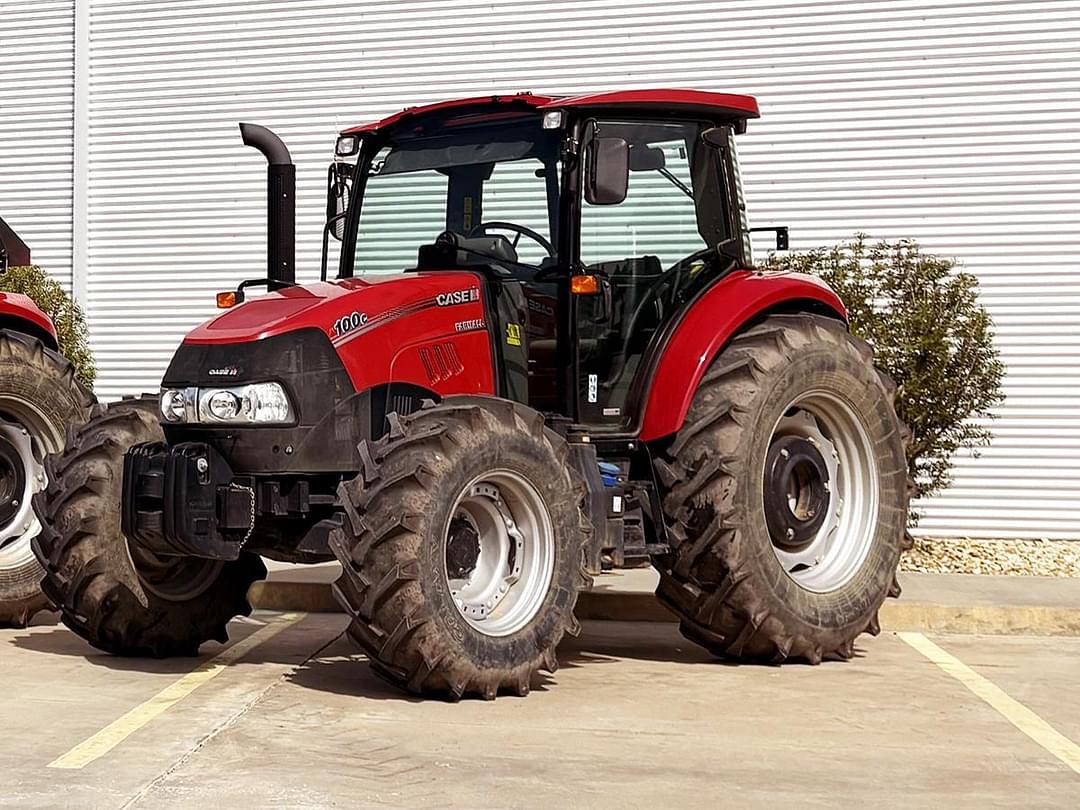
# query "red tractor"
(39, 398)
(546, 353)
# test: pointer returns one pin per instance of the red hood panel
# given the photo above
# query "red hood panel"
(365, 303)
(423, 329)
(260, 315)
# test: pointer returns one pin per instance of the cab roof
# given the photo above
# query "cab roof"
(696, 102)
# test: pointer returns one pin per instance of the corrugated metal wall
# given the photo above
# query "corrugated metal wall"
(36, 91)
(953, 122)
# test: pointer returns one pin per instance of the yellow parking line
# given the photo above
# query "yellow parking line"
(1012, 710)
(120, 729)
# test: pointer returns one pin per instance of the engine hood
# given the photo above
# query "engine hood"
(341, 309)
(390, 329)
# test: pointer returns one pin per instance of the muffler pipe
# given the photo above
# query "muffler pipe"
(280, 204)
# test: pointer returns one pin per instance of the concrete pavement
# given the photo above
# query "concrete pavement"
(635, 717)
(936, 603)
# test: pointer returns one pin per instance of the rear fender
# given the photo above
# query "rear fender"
(715, 318)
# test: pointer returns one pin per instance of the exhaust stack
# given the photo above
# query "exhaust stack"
(280, 204)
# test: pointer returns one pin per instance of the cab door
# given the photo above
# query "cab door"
(648, 251)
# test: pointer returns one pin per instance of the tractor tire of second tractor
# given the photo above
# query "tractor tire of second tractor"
(121, 598)
(786, 494)
(40, 400)
(462, 548)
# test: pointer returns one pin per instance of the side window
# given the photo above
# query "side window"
(400, 211)
(517, 192)
(658, 217)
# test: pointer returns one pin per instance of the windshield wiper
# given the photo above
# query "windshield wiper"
(675, 181)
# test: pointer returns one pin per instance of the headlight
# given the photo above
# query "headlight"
(266, 403)
(223, 405)
(173, 405)
(254, 404)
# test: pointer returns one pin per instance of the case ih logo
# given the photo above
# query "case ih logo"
(458, 297)
(227, 371)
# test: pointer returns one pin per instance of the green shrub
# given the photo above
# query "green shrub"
(67, 316)
(929, 334)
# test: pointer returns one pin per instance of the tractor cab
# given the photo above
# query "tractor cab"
(593, 220)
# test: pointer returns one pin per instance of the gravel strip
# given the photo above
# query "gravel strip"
(1042, 558)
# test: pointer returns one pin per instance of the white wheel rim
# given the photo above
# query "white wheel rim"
(499, 553)
(30, 434)
(836, 551)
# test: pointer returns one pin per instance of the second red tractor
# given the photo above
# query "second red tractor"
(40, 398)
(546, 352)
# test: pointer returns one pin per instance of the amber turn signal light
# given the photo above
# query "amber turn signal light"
(225, 300)
(584, 285)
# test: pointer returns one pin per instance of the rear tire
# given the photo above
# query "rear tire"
(40, 398)
(118, 597)
(771, 560)
(462, 549)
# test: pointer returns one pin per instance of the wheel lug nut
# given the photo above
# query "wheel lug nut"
(790, 534)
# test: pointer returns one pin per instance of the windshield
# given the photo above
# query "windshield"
(494, 188)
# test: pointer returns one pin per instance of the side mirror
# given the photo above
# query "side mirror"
(607, 163)
(341, 205)
(337, 198)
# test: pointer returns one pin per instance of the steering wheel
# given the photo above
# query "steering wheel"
(520, 230)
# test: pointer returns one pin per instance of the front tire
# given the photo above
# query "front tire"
(117, 596)
(462, 549)
(786, 490)
(40, 398)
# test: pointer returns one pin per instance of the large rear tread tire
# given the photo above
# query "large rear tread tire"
(33, 372)
(89, 572)
(390, 545)
(717, 578)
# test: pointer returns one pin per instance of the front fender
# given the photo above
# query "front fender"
(721, 312)
(19, 312)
